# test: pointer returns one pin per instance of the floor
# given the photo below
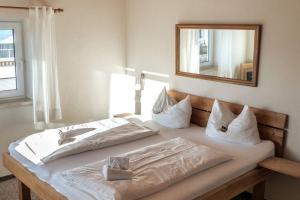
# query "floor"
(9, 191)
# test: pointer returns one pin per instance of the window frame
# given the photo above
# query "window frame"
(18, 41)
(210, 47)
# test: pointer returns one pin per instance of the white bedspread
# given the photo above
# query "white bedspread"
(90, 136)
(154, 168)
(245, 158)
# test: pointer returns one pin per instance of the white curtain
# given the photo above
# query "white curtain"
(42, 46)
(190, 50)
(230, 48)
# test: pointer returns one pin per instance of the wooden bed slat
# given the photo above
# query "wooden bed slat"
(265, 117)
(200, 117)
(277, 136)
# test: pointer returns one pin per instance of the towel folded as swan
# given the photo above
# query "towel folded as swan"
(117, 168)
(121, 163)
(112, 174)
(70, 135)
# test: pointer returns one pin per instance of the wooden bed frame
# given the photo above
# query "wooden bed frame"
(272, 126)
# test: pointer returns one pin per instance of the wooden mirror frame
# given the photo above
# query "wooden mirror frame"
(256, 27)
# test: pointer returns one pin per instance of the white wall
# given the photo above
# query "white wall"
(91, 45)
(151, 47)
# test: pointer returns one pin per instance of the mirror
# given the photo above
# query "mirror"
(226, 53)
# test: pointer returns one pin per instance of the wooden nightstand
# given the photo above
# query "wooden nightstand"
(282, 166)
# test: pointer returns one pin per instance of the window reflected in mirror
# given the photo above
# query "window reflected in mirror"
(225, 53)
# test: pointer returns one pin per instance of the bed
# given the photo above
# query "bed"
(228, 180)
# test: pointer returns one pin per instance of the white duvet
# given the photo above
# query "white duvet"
(154, 168)
(84, 137)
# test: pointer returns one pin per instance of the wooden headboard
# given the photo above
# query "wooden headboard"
(272, 125)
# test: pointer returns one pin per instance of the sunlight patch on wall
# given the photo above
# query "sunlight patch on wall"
(122, 94)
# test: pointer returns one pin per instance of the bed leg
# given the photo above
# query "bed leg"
(259, 191)
(24, 191)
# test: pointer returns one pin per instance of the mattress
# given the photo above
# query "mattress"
(245, 158)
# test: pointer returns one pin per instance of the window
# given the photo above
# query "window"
(11, 63)
(205, 47)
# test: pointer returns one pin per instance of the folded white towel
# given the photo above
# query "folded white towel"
(116, 174)
(121, 163)
(69, 136)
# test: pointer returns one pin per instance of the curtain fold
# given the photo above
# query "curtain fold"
(230, 52)
(43, 56)
(190, 50)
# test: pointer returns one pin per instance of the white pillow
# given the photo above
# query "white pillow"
(175, 116)
(224, 125)
(163, 101)
(220, 117)
(244, 128)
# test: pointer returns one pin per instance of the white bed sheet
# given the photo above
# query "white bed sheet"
(245, 159)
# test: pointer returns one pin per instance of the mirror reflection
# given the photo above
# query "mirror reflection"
(218, 52)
